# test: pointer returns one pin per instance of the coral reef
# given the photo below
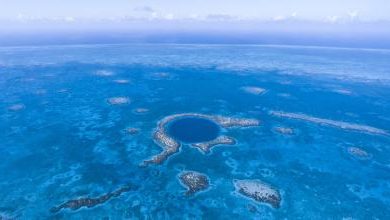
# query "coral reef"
(194, 181)
(258, 191)
(332, 123)
(170, 146)
(206, 146)
(118, 100)
(104, 73)
(343, 91)
(359, 153)
(121, 81)
(284, 130)
(16, 107)
(161, 75)
(76, 204)
(132, 131)
(253, 90)
(141, 110)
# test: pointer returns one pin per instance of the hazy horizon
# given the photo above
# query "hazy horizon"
(348, 23)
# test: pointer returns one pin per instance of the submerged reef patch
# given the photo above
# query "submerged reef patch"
(253, 90)
(284, 95)
(194, 181)
(62, 90)
(342, 91)
(16, 107)
(258, 191)
(332, 123)
(284, 130)
(359, 153)
(205, 147)
(40, 92)
(171, 146)
(141, 110)
(132, 131)
(161, 75)
(104, 73)
(76, 204)
(121, 81)
(118, 100)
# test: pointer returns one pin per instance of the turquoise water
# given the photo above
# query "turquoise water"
(63, 138)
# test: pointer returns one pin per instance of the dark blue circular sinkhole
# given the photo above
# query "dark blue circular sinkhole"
(193, 130)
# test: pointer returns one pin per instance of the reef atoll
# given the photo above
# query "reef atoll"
(194, 181)
(76, 204)
(170, 146)
(258, 191)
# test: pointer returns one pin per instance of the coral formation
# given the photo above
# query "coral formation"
(205, 147)
(104, 73)
(121, 81)
(118, 100)
(359, 153)
(16, 107)
(76, 204)
(170, 146)
(253, 90)
(194, 181)
(141, 110)
(132, 131)
(258, 191)
(284, 130)
(332, 123)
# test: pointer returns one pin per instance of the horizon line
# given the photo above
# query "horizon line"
(200, 44)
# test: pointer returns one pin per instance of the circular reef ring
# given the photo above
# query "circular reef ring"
(172, 143)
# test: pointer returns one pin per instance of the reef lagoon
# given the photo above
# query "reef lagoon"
(171, 131)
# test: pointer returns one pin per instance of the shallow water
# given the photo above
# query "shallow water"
(61, 139)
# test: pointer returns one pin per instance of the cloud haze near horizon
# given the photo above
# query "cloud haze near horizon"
(203, 10)
(238, 19)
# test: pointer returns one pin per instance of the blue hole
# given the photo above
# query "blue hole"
(193, 130)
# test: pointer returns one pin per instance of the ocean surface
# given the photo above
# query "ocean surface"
(77, 122)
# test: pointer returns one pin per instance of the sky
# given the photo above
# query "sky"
(204, 10)
(238, 20)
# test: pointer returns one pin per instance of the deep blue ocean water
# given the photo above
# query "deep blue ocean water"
(62, 139)
(193, 130)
